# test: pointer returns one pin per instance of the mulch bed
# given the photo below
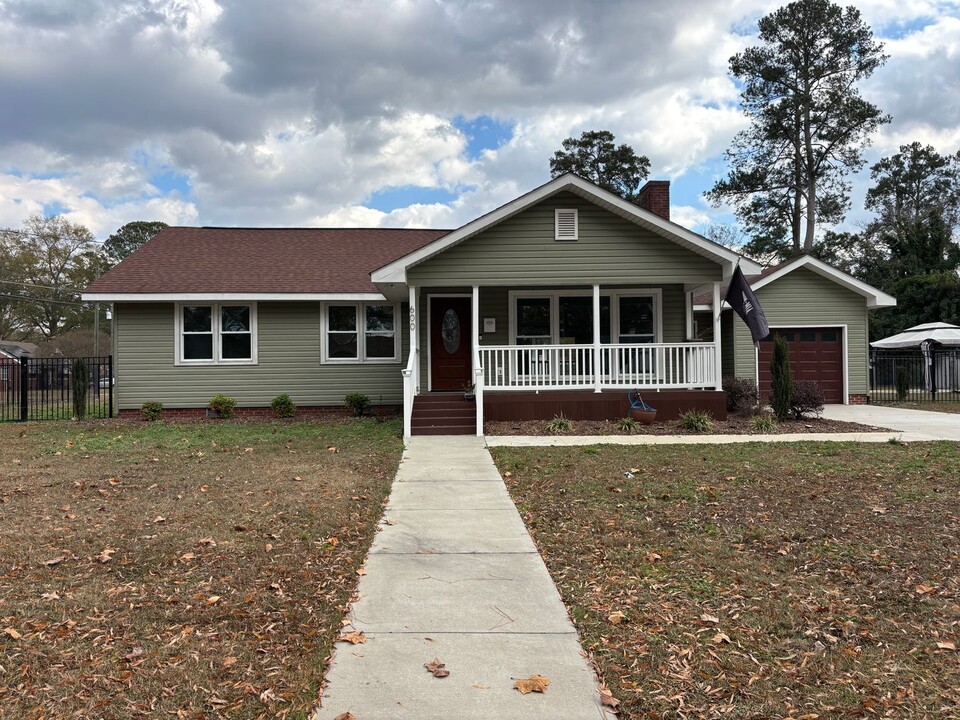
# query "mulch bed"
(733, 425)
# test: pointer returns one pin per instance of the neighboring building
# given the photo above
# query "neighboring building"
(559, 301)
(10, 354)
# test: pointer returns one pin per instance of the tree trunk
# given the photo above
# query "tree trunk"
(811, 183)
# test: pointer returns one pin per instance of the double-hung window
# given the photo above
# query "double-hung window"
(361, 332)
(214, 334)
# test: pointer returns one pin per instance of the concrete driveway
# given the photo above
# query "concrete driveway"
(915, 424)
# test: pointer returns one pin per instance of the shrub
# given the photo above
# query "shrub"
(903, 383)
(559, 424)
(222, 406)
(742, 393)
(627, 424)
(80, 379)
(151, 411)
(283, 406)
(763, 423)
(806, 398)
(780, 375)
(358, 402)
(698, 421)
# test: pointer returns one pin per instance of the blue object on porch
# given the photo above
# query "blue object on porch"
(637, 402)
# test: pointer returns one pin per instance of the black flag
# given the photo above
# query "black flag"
(741, 298)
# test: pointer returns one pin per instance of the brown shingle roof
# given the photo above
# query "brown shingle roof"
(261, 260)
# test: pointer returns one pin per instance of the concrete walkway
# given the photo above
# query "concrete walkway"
(453, 574)
(916, 425)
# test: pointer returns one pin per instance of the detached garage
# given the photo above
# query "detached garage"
(822, 312)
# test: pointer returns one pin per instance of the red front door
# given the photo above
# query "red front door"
(450, 338)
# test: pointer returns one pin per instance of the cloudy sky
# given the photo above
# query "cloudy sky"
(401, 113)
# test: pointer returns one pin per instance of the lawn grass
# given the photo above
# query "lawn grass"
(196, 570)
(796, 581)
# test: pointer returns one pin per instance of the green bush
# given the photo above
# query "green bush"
(781, 379)
(698, 421)
(806, 398)
(80, 379)
(151, 411)
(903, 383)
(763, 423)
(742, 393)
(559, 424)
(358, 402)
(283, 406)
(223, 406)
(627, 424)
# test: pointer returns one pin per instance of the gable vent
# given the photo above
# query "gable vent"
(566, 224)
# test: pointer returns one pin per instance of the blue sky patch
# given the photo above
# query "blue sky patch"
(403, 196)
(483, 133)
(168, 181)
(54, 208)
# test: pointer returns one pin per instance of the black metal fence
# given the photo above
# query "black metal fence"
(915, 376)
(56, 388)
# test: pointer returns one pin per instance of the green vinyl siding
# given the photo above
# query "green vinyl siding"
(805, 298)
(522, 252)
(289, 362)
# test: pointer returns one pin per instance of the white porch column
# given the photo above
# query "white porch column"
(597, 359)
(716, 336)
(415, 334)
(689, 307)
(477, 370)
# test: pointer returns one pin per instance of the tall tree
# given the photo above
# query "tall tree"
(595, 157)
(129, 238)
(808, 123)
(916, 197)
(11, 325)
(53, 259)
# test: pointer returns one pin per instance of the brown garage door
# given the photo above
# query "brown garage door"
(815, 354)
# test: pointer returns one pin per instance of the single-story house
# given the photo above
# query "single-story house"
(10, 354)
(822, 313)
(559, 301)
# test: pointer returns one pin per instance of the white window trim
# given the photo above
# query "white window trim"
(613, 294)
(556, 225)
(361, 359)
(215, 328)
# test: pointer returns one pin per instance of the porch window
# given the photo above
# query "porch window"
(361, 332)
(555, 318)
(216, 334)
(533, 321)
(637, 323)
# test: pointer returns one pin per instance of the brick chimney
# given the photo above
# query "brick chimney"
(655, 197)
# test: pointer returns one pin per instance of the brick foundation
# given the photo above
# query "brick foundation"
(859, 399)
(266, 413)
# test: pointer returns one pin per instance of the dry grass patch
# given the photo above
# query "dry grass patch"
(195, 571)
(757, 581)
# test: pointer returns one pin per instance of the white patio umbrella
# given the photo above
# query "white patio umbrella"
(943, 333)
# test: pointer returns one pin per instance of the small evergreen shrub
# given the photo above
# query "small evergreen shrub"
(151, 411)
(781, 379)
(358, 402)
(223, 406)
(80, 379)
(627, 424)
(559, 424)
(742, 393)
(903, 383)
(806, 398)
(283, 406)
(763, 423)
(698, 421)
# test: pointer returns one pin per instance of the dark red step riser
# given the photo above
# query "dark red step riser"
(442, 412)
(452, 403)
(442, 431)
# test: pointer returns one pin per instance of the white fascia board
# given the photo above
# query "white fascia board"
(875, 298)
(396, 272)
(228, 297)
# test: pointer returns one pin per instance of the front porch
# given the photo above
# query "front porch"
(545, 368)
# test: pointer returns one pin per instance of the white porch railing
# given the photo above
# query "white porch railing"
(410, 390)
(571, 367)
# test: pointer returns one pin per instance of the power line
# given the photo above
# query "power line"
(43, 301)
(44, 287)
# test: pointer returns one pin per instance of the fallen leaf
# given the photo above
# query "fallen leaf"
(107, 555)
(607, 698)
(13, 633)
(720, 637)
(482, 687)
(705, 617)
(268, 547)
(361, 571)
(297, 478)
(133, 654)
(923, 589)
(229, 661)
(948, 645)
(333, 449)
(346, 716)
(187, 556)
(879, 510)
(55, 561)
(534, 683)
(204, 488)
(248, 450)
(353, 637)
(212, 600)
(208, 541)
(113, 481)
(438, 668)
(615, 618)
(159, 519)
